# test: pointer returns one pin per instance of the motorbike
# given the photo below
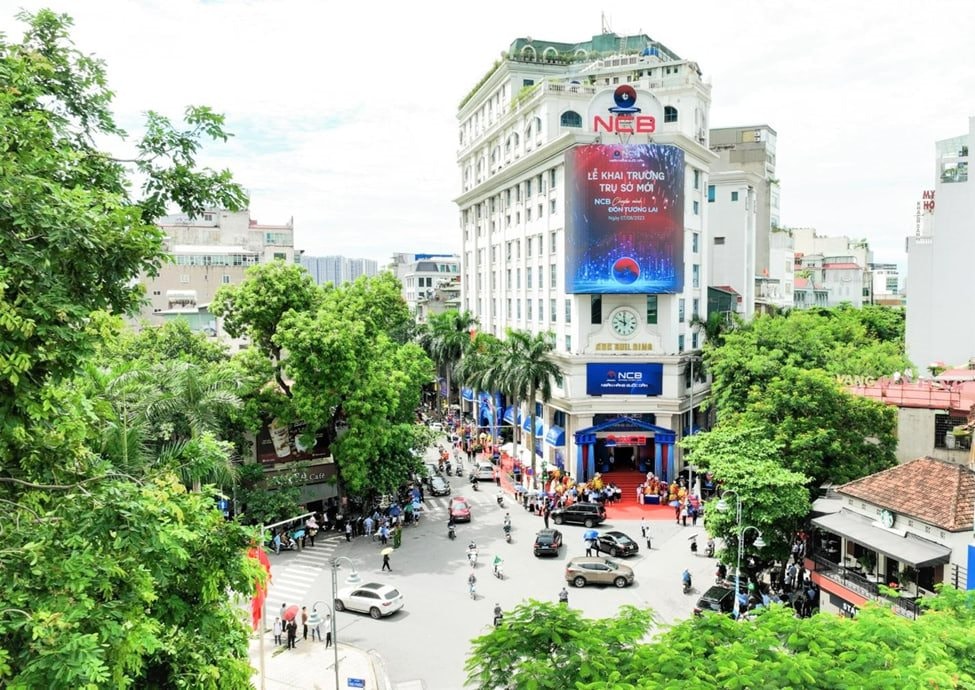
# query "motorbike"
(499, 570)
(501, 500)
(694, 545)
(507, 532)
(451, 532)
(472, 555)
(472, 586)
(474, 480)
(498, 616)
(709, 550)
(686, 580)
(459, 470)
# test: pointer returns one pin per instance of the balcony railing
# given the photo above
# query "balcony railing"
(903, 604)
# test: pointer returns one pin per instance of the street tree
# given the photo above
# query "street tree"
(115, 575)
(544, 645)
(172, 341)
(773, 499)
(445, 339)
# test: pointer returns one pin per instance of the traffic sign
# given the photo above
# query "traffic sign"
(357, 682)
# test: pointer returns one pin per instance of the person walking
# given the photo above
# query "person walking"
(546, 513)
(315, 623)
(386, 565)
(348, 531)
(278, 629)
(589, 543)
(328, 630)
(564, 596)
(304, 622)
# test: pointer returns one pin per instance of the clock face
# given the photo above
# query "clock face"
(624, 322)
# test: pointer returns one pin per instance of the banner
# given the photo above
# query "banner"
(625, 219)
(624, 379)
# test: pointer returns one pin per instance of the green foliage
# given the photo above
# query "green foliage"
(779, 373)
(172, 341)
(114, 575)
(542, 645)
(548, 646)
(270, 498)
(445, 339)
(773, 499)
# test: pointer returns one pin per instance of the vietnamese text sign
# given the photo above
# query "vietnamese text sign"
(624, 379)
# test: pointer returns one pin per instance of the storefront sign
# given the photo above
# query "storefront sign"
(627, 440)
(624, 379)
(278, 443)
(843, 606)
(624, 347)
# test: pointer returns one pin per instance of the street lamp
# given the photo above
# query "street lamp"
(759, 542)
(352, 579)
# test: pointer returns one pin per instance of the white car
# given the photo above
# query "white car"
(436, 426)
(376, 599)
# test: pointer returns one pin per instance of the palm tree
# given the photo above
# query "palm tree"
(446, 337)
(528, 373)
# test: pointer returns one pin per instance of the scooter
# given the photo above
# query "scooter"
(474, 481)
(709, 550)
(499, 570)
(686, 579)
(507, 532)
(472, 556)
(501, 500)
(498, 616)
(459, 470)
(451, 532)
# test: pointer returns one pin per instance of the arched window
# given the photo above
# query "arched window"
(537, 126)
(571, 118)
(670, 113)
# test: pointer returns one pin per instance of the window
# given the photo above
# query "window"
(528, 309)
(552, 242)
(528, 188)
(568, 343)
(568, 311)
(551, 206)
(696, 275)
(596, 309)
(528, 277)
(528, 248)
(710, 193)
(695, 242)
(508, 312)
(719, 240)
(184, 278)
(157, 293)
(697, 207)
(651, 309)
(541, 209)
(551, 178)
(680, 310)
(697, 179)
(518, 279)
(507, 283)
(571, 118)
(517, 308)
(734, 196)
(695, 308)
(541, 312)
(527, 82)
(541, 247)
(552, 311)
(680, 343)
(694, 340)
(225, 280)
(670, 113)
(552, 276)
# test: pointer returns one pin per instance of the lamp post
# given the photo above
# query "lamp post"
(352, 579)
(759, 542)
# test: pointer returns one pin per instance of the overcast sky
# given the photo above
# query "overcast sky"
(345, 113)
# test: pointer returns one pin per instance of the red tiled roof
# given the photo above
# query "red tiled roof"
(934, 491)
(726, 288)
(956, 375)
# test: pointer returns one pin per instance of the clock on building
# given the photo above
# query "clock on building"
(624, 322)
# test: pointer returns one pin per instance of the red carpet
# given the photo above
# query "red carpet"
(628, 508)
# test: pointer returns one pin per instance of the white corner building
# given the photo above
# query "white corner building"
(583, 170)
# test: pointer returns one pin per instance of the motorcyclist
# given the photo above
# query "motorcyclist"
(564, 596)
(474, 482)
(686, 579)
(472, 584)
(710, 547)
(498, 615)
(498, 566)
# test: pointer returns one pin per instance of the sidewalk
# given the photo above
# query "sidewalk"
(310, 666)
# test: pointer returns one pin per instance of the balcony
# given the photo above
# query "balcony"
(853, 579)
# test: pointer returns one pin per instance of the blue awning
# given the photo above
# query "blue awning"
(509, 415)
(555, 436)
(539, 426)
(467, 394)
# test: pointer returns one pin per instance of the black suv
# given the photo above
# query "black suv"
(718, 599)
(547, 541)
(588, 514)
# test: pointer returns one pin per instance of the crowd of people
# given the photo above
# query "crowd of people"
(287, 622)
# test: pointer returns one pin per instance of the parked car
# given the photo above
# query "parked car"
(460, 509)
(602, 571)
(617, 544)
(588, 514)
(717, 598)
(374, 598)
(547, 542)
(436, 426)
(439, 486)
(484, 471)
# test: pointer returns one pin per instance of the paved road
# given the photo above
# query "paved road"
(429, 639)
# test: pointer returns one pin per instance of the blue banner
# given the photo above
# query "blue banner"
(624, 379)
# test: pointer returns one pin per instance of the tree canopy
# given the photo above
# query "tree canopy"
(547, 646)
(114, 574)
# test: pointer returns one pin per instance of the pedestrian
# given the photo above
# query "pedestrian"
(564, 596)
(546, 514)
(348, 531)
(311, 528)
(304, 622)
(589, 543)
(384, 535)
(647, 535)
(497, 476)
(368, 523)
(643, 527)
(315, 623)
(283, 608)
(683, 513)
(677, 512)
(328, 630)
(386, 562)
(277, 630)
(292, 634)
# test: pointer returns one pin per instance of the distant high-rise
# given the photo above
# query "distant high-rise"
(338, 269)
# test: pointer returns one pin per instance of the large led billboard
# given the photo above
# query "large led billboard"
(625, 219)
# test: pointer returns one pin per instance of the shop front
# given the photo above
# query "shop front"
(625, 443)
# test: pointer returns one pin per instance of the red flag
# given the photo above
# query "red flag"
(260, 590)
